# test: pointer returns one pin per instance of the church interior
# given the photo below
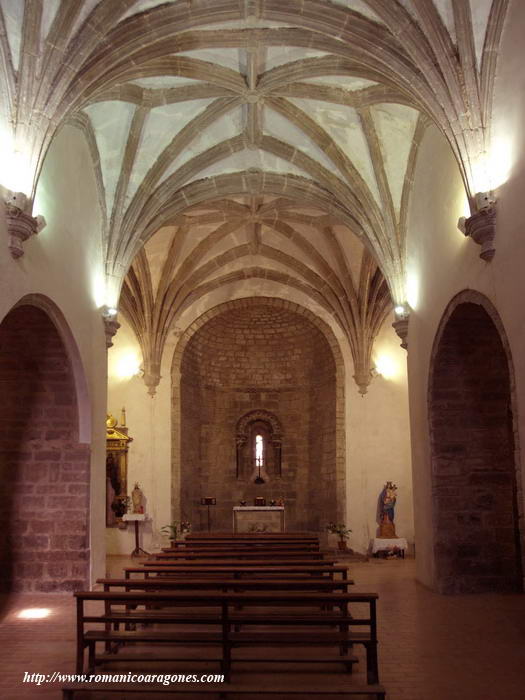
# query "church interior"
(260, 305)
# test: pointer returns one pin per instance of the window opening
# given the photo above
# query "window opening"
(259, 457)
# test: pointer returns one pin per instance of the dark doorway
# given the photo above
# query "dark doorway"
(476, 534)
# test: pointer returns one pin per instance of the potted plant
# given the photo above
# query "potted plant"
(341, 531)
(176, 528)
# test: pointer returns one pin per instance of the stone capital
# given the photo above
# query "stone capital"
(481, 227)
(401, 328)
(20, 227)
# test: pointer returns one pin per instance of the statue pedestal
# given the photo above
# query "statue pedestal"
(385, 544)
(136, 518)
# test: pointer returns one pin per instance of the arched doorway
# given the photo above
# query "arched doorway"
(267, 360)
(477, 543)
(44, 470)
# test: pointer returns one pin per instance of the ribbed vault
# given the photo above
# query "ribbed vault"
(251, 122)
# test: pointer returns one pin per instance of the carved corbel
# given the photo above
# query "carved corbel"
(481, 226)
(152, 377)
(20, 224)
(111, 325)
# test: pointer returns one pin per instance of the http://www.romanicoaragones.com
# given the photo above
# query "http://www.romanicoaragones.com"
(158, 678)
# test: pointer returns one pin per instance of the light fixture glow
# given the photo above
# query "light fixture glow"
(127, 365)
(412, 289)
(399, 310)
(109, 311)
(386, 366)
(15, 169)
(34, 613)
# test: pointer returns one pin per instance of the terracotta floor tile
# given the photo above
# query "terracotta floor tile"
(432, 647)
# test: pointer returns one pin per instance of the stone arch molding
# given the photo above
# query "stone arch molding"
(58, 319)
(471, 296)
(275, 436)
(268, 301)
(333, 343)
(266, 416)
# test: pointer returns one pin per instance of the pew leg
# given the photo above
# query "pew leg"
(91, 657)
(372, 673)
(226, 662)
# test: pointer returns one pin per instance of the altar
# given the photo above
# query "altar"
(258, 519)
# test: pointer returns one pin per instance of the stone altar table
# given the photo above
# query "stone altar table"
(258, 519)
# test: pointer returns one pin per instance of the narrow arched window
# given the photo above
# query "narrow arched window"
(259, 451)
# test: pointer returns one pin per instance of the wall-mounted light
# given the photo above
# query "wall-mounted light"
(386, 366)
(400, 325)
(21, 225)
(127, 366)
(481, 225)
(111, 325)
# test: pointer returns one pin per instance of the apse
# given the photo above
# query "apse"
(258, 417)
(474, 488)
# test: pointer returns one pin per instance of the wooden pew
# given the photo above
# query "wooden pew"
(250, 538)
(268, 569)
(310, 686)
(313, 687)
(226, 584)
(228, 554)
(223, 612)
(241, 546)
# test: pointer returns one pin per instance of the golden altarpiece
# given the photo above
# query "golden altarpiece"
(117, 444)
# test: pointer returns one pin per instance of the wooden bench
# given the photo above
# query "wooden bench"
(312, 687)
(226, 613)
(268, 569)
(228, 554)
(240, 547)
(228, 584)
(233, 561)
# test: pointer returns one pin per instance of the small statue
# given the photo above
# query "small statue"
(137, 498)
(387, 502)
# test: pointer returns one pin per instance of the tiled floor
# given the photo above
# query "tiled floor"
(431, 647)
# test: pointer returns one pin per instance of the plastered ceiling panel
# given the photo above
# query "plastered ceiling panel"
(345, 82)
(13, 17)
(281, 128)
(87, 7)
(161, 126)
(49, 10)
(226, 127)
(156, 249)
(229, 58)
(395, 125)
(247, 159)
(358, 6)
(279, 55)
(164, 82)
(344, 126)
(111, 122)
(480, 10)
(447, 15)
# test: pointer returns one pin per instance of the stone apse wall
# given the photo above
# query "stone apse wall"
(258, 357)
(44, 472)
